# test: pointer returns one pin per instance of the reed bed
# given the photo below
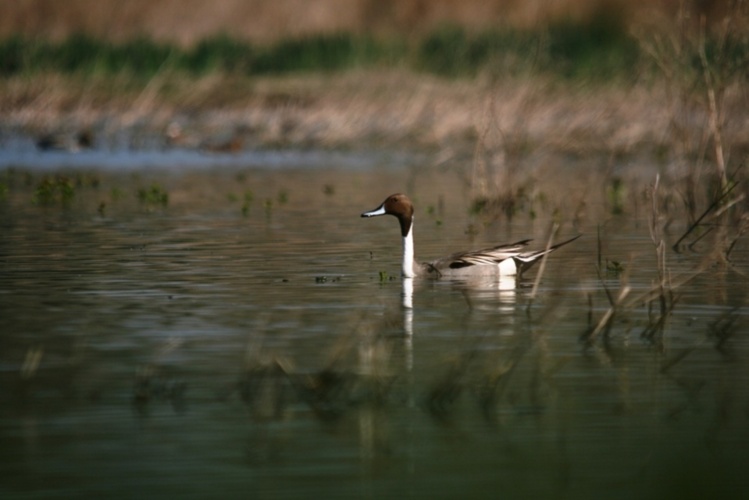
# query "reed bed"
(363, 110)
(495, 95)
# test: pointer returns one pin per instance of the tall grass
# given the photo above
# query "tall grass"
(595, 49)
(82, 54)
(703, 67)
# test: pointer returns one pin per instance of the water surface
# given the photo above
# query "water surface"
(248, 339)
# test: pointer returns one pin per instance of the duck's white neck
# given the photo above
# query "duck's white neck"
(408, 254)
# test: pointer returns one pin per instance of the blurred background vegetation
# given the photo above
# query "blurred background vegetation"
(510, 75)
(567, 38)
(187, 22)
(600, 50)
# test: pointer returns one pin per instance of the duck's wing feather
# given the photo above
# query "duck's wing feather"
(493, 255)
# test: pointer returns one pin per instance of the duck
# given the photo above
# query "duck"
(502, 260)
(84, 139)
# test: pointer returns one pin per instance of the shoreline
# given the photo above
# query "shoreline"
(367, 110)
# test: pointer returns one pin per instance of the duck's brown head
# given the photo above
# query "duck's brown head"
(399, 206)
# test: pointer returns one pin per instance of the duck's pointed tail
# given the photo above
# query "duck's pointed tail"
(525, 261)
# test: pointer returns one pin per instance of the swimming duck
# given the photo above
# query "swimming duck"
(501, 260)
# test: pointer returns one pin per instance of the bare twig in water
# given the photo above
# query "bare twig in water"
(605, 288)
(542, 266)
(607, 319)
(655, 234)
(715, 115)
(665, 295)
(713, 207)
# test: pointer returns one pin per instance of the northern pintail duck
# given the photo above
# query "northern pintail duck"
(501, 260)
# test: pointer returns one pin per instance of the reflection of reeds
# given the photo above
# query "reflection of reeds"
(151, 384)
(445, 391)
(494, 382)
(264, 381)
(263, 387)
(31, 362)
(720, 331)
(723, 329)
(356, 372)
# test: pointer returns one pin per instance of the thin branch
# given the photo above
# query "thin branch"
(714, 116)
(713, 205)
(542, 265)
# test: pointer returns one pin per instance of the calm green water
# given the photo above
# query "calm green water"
(200, 350)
